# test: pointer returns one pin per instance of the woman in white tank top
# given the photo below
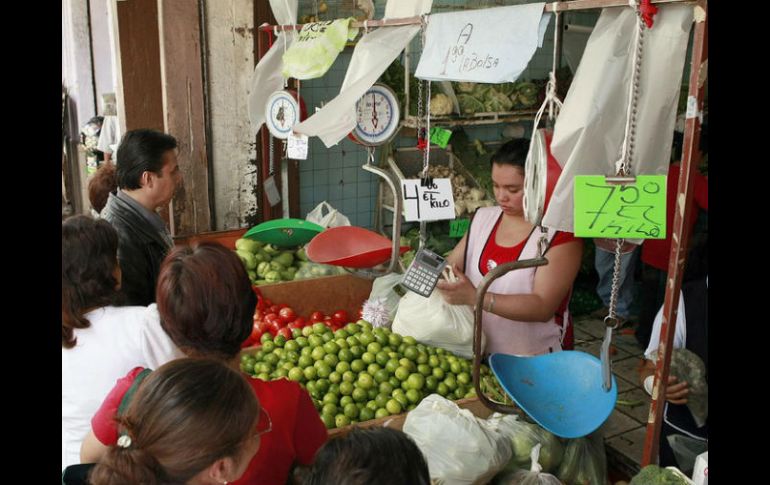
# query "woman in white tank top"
(521, 309)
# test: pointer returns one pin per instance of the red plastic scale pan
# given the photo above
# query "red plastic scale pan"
(350, 246)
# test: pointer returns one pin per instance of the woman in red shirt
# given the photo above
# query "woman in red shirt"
(176, 431)
(206, 305)
(525, 310)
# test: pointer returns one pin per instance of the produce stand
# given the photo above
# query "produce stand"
(680, 231)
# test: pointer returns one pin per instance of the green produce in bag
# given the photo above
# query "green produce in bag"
(524, 436)
(584, 462)
(687, 366)
(532, 476)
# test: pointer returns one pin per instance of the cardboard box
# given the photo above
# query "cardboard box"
(326, 294)
(225, 238)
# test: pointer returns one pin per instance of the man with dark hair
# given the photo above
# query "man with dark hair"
(148, 176)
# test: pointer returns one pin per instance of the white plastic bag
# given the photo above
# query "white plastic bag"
(533, 476)
(459, 448)
(332, 218)
(433, 321)
(524, 437)
(380, 308)
(686, 450)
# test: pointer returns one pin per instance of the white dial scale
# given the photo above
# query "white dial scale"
(281, 113)
(377, 116)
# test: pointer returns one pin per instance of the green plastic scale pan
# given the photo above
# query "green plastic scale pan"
(284, 232)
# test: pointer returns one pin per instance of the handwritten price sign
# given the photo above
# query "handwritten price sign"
(633, 211)
(490, 45)
(432, 203)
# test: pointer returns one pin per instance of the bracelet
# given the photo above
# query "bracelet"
(491, 302)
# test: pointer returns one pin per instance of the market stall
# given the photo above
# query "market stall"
(332, 325)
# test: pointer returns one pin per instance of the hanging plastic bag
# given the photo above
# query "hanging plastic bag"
(524, 437)
(596, 105)
(686, 450)
(380, 308)
(433, 321)
(317, 47)
(459, 448)
(533, 476)
(584, 462)
(332, 218)
(687, 366)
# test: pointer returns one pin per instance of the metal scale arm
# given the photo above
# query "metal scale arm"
(481, 290)
(396, 239)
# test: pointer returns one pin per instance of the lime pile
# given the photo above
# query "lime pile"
(358, 373)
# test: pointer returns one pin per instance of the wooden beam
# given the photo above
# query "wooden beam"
(140, 64)
(679, 240)
(263, 14)
(183, 110)
(138, 67)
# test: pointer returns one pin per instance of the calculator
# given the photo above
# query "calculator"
(423, 273)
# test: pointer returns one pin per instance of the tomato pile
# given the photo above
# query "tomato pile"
(281, 319)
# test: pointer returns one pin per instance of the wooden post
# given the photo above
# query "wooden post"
(183, 110)
(681, 235)
(263, 14)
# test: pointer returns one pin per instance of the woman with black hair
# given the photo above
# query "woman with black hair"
(100, 341)
(373, 456)
(206, 305)
(525, 311)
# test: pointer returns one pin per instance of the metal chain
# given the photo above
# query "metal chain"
(271, 157)
(624, 168)
(615, 284)
(426, 157)
(419, 107)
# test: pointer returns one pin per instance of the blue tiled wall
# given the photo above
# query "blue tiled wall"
(334, 174)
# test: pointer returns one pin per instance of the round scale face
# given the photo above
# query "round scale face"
(377, 116)
(281, 113)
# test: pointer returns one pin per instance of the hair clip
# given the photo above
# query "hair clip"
(124, 441)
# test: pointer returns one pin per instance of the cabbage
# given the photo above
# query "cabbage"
(440, 104)
(465, 87)
(655, 475)
(470, 104)
(495, 101)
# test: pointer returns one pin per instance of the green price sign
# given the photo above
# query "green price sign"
(458, 227)
(440, 136)
(632, 211)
